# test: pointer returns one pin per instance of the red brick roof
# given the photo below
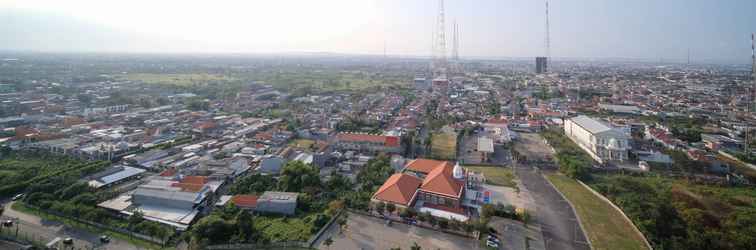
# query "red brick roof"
(399, 189)
(441, 181)
(168, 172)
(388, 141)
(426, 165)
(243, 200)
(202, 180)
(188, 187)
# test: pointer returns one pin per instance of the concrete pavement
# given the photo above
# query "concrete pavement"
(41, 230)
(365, 232)
(554, 215)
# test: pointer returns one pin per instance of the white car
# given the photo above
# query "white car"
(494, 239)
(492, 244)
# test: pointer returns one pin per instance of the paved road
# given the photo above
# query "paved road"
(557, 219)
(365, 232)
(43, 230)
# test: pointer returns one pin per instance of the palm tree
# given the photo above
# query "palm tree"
(328, 241)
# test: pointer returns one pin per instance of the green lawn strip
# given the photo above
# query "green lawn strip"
(605, 226)
(496, 175)
(18, 206)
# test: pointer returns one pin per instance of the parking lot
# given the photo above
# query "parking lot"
(365, 232)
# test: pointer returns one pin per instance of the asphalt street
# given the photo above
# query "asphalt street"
(558, 221)
(42, 230)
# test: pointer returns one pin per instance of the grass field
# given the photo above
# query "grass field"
(176, 79)
(444, 146)
(604, 225)
(499, 176)
(277, 229)
(302, 143)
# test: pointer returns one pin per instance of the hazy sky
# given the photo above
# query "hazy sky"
(647, 29)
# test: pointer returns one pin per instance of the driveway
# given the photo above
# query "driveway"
(365, 232)
(42, 230)
(555, 216)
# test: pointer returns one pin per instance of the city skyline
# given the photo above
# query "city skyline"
(647, 30)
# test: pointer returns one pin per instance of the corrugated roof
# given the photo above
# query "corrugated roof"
(591, 125)
(485, 144)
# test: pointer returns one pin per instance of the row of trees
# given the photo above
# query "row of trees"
(573, 162)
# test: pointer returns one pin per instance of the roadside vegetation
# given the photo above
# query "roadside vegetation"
(572, 160)
(316, 205)
(676, 214)
(604, 225)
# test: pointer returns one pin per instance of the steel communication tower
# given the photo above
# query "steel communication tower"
(455, 41)
(548, 38)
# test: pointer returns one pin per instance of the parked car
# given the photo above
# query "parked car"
(18, 197)
(494, 239)
(492, 244)
(8, 223)
(104, 238)
(68, 241)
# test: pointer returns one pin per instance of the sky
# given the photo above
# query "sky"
(713, 30)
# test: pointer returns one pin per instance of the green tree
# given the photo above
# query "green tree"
(245, 225)
(487, 211)
(297, 176)
(390, 207)
(380, 207)
(415, 246)
(327, 242)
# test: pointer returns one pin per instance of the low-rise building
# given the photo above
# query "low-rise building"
(601, 141)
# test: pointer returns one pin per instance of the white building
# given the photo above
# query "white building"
(602, 142)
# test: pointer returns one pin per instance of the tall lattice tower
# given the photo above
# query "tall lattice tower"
(548, 34)
(455, 42)
(440, 39)
(753, 58)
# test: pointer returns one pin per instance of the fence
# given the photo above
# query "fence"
(140, 236)
(421, 225)
(274, 245)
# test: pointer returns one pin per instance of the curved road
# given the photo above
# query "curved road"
(558, 221)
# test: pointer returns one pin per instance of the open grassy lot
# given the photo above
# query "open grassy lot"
(302, 143)
(604, 225)
(500, 176)
(277, 229)
(176, 79)
(444, 146)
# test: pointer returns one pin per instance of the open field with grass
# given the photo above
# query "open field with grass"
(302, 143)
(444, 146)
(176, 79)
(495, 175)
(276, 229)
(605, 226)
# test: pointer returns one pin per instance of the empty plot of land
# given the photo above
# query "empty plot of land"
(176, 79)
(496, 175)
(605, 226)
(302, 143)
(533, 147)
(444, 146)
